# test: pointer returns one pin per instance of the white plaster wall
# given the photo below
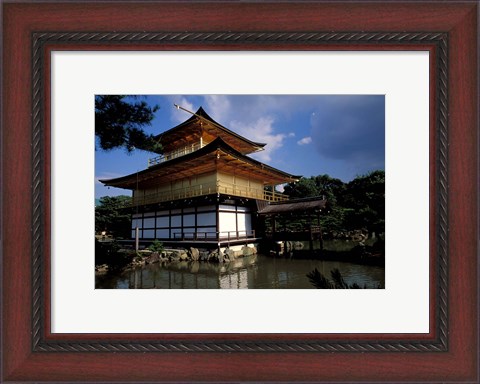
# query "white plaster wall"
(227, 222)
(244, 221)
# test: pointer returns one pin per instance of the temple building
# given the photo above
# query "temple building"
(204, 189)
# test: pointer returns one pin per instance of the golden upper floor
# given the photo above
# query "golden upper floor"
(200, 129)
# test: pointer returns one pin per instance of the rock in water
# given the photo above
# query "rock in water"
(164, 256)
(247, 251)
(298, 245)
(153, 258)
(213, 256)
(229, 254)
(203, 256)
(194, 254)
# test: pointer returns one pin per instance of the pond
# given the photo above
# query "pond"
(252, 272)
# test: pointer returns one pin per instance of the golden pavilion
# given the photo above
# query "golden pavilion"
(204, 188)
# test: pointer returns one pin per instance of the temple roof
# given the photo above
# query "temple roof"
(200, 124)
(215, 156)
(310, 204)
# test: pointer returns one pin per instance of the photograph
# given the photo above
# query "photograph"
(239, 191)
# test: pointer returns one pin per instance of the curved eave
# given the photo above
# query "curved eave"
(204, 115)
(200, 158)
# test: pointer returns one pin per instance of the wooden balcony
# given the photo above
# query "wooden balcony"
(174, 154)
(208, 189)
(219, 236)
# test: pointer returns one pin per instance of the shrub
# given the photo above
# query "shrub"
(156, 246)
(321, 282)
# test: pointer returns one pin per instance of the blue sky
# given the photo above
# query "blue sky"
(339, 135)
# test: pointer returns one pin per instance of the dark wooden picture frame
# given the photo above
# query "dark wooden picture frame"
(448, 30)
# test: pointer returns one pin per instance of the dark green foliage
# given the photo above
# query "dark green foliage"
(321, 185)
(113, 216)
(303, 188)
(338, 279)
(321, 282)
(119, 120)
(156, 246)
(330, 188)
(354, 205)
(365, 196)
(107, 253)
(334, 219)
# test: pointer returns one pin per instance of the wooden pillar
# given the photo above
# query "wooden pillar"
(310, 235)
(274, 230)
(136, 239)
(320, 229)
(217, 210)
(310, 241)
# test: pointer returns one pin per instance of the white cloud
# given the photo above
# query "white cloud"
(305, 141)
(256, 117)
(218, 107)
(178, 116)
(250, 117)
(261, 131)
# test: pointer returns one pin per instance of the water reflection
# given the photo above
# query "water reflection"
(250, 272)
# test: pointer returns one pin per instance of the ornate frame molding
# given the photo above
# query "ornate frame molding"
(249, 39)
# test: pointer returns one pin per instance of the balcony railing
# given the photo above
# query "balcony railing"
(174, 154)
(206, 236)
(208, 189)
(246, 191)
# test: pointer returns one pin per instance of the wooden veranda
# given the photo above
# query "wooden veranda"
(282, 214)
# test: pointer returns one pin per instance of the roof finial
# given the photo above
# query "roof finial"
(184, 109)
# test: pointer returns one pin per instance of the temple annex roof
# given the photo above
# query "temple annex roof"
(310, 204)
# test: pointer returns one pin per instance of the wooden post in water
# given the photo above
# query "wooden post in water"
(320, 229)
(136, 239)
(310, 242)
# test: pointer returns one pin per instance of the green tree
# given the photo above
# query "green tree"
(329, 187)
(321, 185)
(302, 188)
(354, 205)
(113, 216)
(364, 198)
(119, 122)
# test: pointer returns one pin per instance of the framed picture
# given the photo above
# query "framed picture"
(58, 59)
(211, 208)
